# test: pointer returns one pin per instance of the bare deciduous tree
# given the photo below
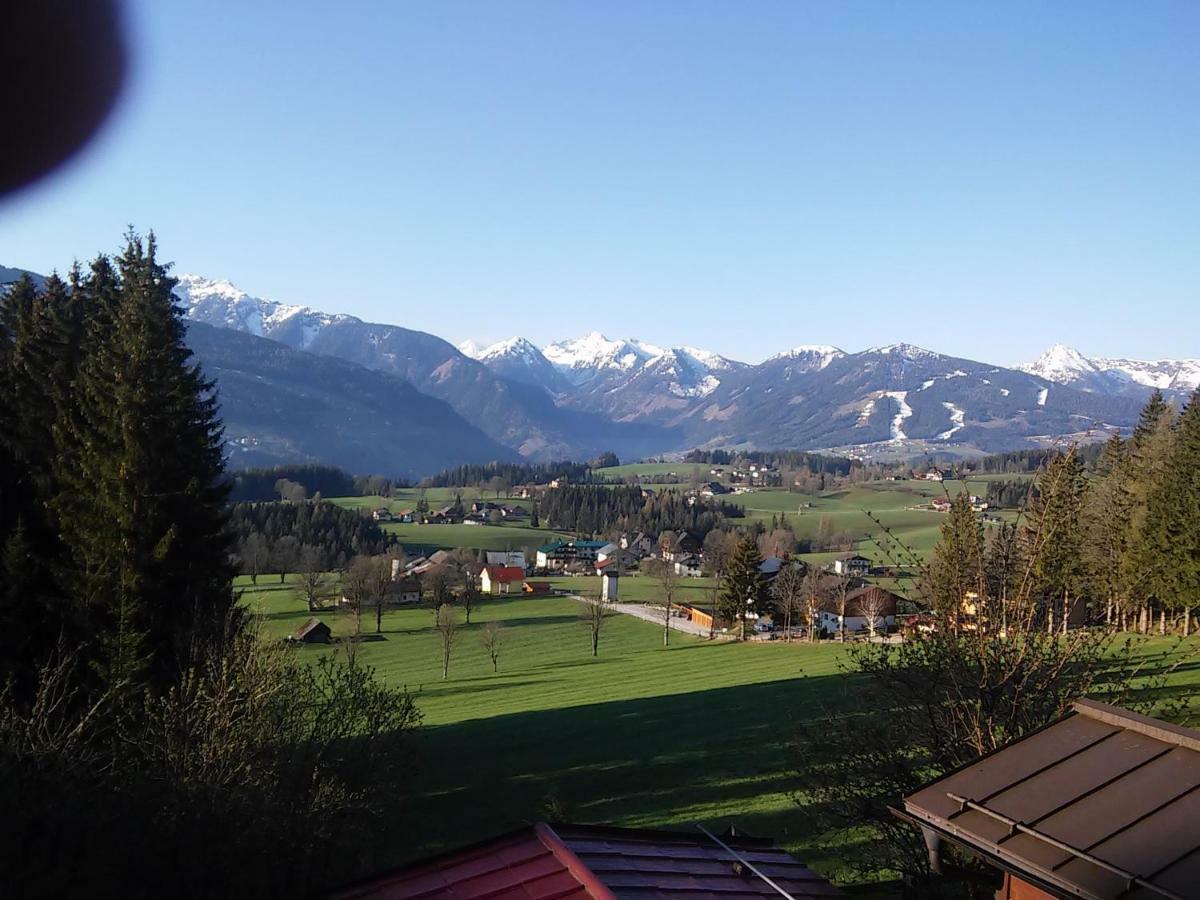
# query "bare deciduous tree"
(492, 638)
(594, 612)
(872, 605)
(787, 590)
(447, 629)
(380, 587)
(813, 587)
(315, 585)
(356, 586)
(663, 571)
(840, 587)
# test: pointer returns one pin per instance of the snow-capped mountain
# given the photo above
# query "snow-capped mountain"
(1065, 365)
(625, 379)
(895, 396)
(225, 305)
(577, 397)
(520, 360)
(1164, 374)
(583, 359)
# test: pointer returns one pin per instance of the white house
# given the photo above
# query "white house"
(852, 564)
(506, 558)
(688, 565)
(862, 606)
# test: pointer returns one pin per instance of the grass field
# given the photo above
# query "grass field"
(894, 503)
(640, 736)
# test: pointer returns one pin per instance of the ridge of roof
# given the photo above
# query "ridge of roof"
(1167, 732)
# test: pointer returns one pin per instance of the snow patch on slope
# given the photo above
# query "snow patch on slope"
(903, 412)
(1042, 395)
(958, 419)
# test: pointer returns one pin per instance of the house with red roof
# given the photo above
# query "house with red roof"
(500, 579)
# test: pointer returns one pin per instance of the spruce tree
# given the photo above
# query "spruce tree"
(745, 589)
(1171, 534)
(1052, 537)
(1149, 449)
(143, 512)
(1106, 517)
(956, 567)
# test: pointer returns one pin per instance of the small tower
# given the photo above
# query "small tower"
(608, 586)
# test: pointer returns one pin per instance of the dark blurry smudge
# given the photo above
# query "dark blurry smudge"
(62, 63)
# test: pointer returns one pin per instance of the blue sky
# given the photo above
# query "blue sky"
(979, 179)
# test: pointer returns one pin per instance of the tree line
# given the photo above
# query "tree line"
(508, 473)
(139, 706)
(592, 509)
(277, 537)
(248, 485)
(798, 460)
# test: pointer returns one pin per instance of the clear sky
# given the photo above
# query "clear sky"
(982, 180)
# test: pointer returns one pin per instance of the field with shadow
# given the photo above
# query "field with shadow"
(641, 735)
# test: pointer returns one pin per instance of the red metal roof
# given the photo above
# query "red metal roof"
(505, 573)
(544, 862)
(1101, 804)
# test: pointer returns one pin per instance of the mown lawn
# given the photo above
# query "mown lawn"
(641, 735)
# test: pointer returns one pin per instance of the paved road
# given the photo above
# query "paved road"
(654, 614)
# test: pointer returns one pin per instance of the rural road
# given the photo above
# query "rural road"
(653, 614)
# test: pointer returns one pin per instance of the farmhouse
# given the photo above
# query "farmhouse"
(713, 489)
(639, 545)
(500, 579)
(940, 504)
(1101, 804)
(590, 862)
(852, 564)
(506, 558)
(689, 565)
(383, 514)
(314, 631)
(560, 554)
(406, 590)
(863, 605)
(934, 474)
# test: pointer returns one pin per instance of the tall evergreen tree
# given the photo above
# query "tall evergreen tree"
(1052, 536)
(745, 590)
(956, 567)
(143, 510)
(1149, 449)
(1171, 535)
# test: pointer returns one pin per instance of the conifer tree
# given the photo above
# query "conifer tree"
(143, 510)
(956, 567)
(1171, 534)
(745, 590)
(1149, 449)
(1052, 537)
(1106, 527)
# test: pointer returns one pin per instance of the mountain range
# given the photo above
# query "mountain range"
(297, 383)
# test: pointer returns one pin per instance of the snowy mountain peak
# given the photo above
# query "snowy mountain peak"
(225, 305)
(816, 356)
(906, 351)
(1065, 365)
(470, 349)
(517, 347)
(1061, 364)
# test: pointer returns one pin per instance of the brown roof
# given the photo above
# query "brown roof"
(1101, 804)
(585, 861)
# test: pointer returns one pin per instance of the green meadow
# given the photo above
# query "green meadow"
(641, 735)
(902, 507)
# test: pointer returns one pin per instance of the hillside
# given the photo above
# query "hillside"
(284, 405)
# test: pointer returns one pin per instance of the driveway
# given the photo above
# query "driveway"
(653, 614)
